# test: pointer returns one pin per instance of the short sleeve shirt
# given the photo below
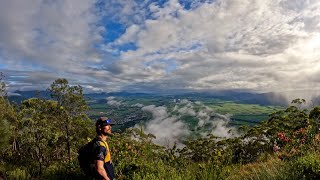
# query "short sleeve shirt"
(102, 151)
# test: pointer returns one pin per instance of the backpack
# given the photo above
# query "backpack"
(86, 157)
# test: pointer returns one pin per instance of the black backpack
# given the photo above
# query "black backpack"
(86, 157)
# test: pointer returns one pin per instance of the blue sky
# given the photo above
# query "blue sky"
(164, 46)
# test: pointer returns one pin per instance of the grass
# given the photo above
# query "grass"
(273, 168)
(243, 109)
(192, 171)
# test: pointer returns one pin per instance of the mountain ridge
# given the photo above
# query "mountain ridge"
(229, 95)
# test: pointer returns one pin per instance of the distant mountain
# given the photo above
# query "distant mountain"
(19, 96)
(241, 97)
(117, 94)
(236, 96)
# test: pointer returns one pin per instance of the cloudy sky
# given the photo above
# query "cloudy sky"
(164, 45)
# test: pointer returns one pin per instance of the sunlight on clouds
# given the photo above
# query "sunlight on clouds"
(314, 44)
(196, 45)
(246, 44)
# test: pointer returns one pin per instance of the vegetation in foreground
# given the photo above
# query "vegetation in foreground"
(40, 139)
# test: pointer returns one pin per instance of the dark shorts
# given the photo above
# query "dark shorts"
(110, 170)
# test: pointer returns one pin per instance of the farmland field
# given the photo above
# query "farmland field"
(128, 111)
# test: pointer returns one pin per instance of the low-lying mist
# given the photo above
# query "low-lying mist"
(169, 126)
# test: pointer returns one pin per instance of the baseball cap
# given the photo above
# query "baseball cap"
(104, 121)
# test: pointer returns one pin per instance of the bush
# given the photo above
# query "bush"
(18, 174)
(64, 170)
(306, 167)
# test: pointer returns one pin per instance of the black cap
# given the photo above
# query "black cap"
(104, 121)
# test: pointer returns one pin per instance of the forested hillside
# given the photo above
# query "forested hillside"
(40, 139)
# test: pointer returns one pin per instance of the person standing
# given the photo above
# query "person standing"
(103, 162)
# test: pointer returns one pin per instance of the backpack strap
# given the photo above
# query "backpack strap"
(105, 144)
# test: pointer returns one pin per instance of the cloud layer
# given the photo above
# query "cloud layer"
(255, 45)
(170, 125)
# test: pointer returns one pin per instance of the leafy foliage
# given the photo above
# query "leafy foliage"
(72, 106)
(40, 139)
(306, 167)
(42, 132)
(7, 115)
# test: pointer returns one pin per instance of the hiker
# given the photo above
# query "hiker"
(103, 163)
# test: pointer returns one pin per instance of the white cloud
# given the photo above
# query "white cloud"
(169, 127)
(221, 129)
(49, 36)
(129, 35)
(113, 102)
(236, 44)
(53, 33)
(255, 45)
(137, 105)
(127, 12)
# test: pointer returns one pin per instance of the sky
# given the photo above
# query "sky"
(161, 46)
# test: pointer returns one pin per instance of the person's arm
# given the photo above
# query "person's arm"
(100, 169)
(100, 153)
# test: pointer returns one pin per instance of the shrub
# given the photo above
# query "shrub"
(18, 174)
(63, 170)
(306, 167)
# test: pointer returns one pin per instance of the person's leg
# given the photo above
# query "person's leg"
(110, 170)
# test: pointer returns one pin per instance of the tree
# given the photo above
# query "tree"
(38, 133)
(298, 102)
(7, 115)
(2, 86)
(73, 107)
